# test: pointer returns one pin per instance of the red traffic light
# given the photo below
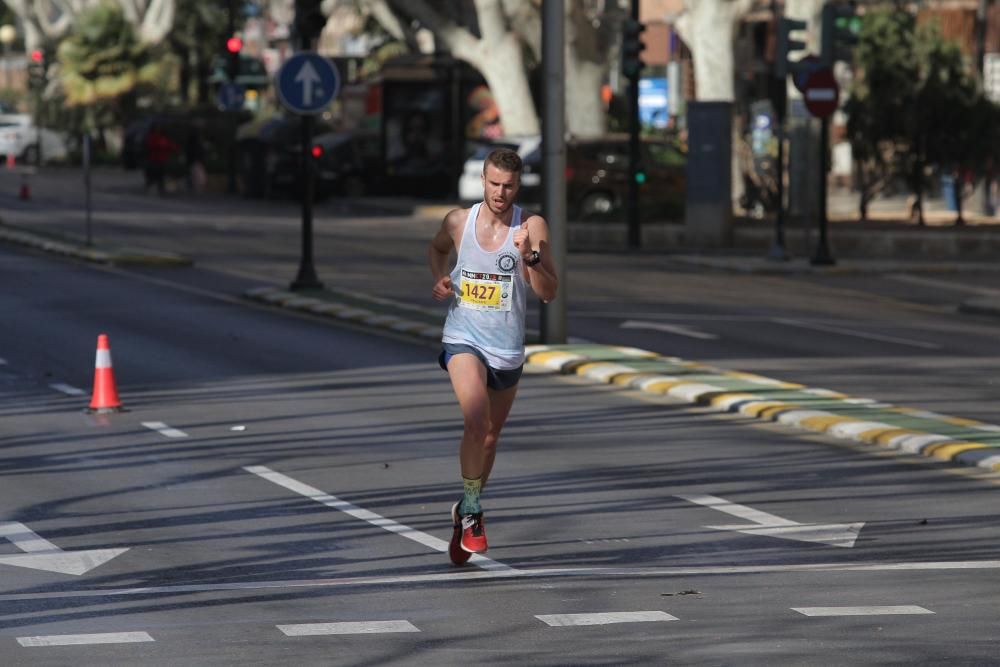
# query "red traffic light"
(317, 152)
(37, 56)
(234, 44)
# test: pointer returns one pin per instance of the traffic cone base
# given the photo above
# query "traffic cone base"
(105, 396)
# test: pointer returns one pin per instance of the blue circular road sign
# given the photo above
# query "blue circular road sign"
(307, 83)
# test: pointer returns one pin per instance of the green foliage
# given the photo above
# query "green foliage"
(914, 104)
(103, 61)
(199, 32)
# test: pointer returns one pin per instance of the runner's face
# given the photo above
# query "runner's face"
(499, 188)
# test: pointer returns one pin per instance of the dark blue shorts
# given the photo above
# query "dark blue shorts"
(495, 379)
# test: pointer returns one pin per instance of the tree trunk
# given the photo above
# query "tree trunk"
(586, 116)
(502, 65)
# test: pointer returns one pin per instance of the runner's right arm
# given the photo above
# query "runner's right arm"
(439, 254)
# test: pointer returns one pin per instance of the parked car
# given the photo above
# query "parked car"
(597, 173)
(269, 152)
(19, 137)
(470, 183)
(349, 163)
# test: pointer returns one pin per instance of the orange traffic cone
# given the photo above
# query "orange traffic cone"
(11, 160)
(105, 396)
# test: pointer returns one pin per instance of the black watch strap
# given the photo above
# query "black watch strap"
(534, 258)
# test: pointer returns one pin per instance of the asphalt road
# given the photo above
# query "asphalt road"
(277, 493)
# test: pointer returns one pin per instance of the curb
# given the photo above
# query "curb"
(74, 248)
(818, 410)
(374, 312)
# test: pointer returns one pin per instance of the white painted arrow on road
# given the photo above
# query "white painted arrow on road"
(40, 554)
(834, 534)
(308, 77)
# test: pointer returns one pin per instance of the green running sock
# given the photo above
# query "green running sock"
(470, 501)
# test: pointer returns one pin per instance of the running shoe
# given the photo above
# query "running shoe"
(458, 555)
(473, 533)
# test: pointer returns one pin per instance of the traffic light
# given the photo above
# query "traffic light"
(639, 174)
(839, 33)
(234, 44)
(632, 48)
(36, 69)
(309, 21)
(786, 45)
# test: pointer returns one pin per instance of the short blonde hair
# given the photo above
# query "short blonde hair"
(504, 159)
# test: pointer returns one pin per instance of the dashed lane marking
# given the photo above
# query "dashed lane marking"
(605, 618)
(347, 628)
(862, 611)
(165, 430)
(677, 329)
(857, 334)
(67, 389)
(75, 640)
(367, 515)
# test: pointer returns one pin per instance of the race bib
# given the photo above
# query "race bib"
(485, 291)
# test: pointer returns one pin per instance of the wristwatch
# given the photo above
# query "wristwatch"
(534, 258)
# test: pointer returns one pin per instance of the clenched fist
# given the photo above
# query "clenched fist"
(442, 289)
(522, 241)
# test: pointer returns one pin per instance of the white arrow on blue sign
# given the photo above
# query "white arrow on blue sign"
(307, 83)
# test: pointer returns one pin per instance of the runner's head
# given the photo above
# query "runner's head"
(501, 179)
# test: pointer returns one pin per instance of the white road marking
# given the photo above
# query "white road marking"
(3, 362)
(833, 534)
(40, 554)
(566, 620)
(347, 628)
(67, 389)
(366, 515)
(511, 573)
(857, 334)
(861, 611)
(669, 328)
(944, 284)
(165, 430)
(99, 638)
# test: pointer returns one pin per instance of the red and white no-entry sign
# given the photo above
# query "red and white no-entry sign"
(821, 93)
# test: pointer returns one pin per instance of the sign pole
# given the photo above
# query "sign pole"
(307, 278)
(823, 256)
(306, 84)
(553, 315)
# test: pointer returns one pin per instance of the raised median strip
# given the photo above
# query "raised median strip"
(71, 246)
(960, 440)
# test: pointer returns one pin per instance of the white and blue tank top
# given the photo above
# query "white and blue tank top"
(490, 297)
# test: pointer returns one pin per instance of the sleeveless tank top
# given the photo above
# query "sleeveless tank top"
(490, 297)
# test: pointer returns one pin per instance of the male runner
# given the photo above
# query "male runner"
(502, 251)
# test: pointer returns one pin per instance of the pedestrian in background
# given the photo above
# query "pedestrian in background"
(502, 251)
(159, 149)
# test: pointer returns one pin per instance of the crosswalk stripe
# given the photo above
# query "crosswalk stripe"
(347, 628)
(861, 611)
(98, 638)
(604, 618)
(165, 430)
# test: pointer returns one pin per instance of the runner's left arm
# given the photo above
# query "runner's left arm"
(541, 276)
